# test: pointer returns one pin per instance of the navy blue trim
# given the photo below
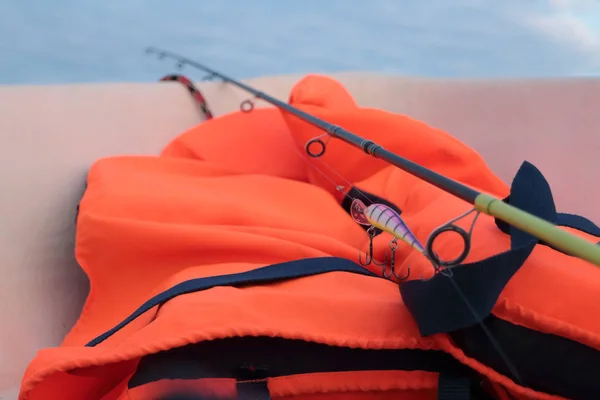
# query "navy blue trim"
(544, 362)
(259, 276)
(254, 390)
(438, 306)
(547, 363)
(454, 387)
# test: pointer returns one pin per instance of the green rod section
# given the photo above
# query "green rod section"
(538, 227)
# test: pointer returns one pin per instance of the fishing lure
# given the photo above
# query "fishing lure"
(385, 218)
(388, 220)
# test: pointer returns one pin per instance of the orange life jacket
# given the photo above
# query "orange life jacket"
(227, 267)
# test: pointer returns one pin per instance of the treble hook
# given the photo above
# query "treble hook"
(464, 235)
(392, 270)
(369, 257)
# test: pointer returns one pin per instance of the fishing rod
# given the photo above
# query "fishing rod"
(483, 203)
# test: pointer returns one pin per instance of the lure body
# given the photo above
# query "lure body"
(385, 218)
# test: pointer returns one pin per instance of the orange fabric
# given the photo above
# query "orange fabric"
(236, 193)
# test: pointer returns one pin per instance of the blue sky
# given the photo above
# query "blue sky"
(62, 41)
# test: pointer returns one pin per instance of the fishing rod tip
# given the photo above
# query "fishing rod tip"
(153, 50)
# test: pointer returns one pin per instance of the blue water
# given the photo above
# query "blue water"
(58, 41)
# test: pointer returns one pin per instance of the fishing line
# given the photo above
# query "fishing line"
(336, 186)
(483, 203)
(495, 344)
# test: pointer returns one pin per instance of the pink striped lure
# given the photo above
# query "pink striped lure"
(385, 218)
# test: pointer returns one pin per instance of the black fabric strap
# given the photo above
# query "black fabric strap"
(449, 388)
(259, 276)
(439, 306)
(253, 390)
(454, 388)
